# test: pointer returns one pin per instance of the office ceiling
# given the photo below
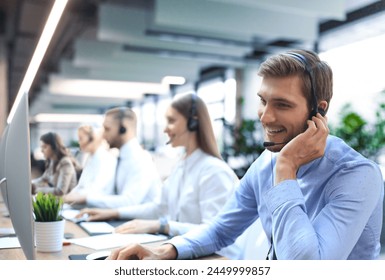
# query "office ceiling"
(143, 41)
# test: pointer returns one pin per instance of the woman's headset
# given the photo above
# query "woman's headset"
(192, 121)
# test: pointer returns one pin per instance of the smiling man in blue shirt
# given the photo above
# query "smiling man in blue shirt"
(316, 197)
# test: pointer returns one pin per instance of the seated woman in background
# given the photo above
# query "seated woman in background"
(198, 187)
(59, 176)
(99, 170)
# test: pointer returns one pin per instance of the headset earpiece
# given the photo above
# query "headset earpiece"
(192, 121)
(90, 136)
(192, 124)
(122, 128)
(321, 111)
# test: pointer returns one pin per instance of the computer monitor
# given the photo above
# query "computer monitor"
(17, 169)
(2, 161)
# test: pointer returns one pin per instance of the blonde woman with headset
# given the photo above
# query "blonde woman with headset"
(197, 188)
(99, 169)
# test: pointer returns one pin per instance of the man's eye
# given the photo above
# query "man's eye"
(283, 105)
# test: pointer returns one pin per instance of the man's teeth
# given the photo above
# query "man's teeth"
(275, 130)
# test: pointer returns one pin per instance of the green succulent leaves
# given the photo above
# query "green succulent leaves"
(47, 207)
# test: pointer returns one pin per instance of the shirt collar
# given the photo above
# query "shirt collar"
(128, 147)
(193, 157)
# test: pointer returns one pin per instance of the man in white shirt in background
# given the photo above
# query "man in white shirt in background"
(136, 178)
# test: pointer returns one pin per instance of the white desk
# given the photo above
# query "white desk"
(71, 249)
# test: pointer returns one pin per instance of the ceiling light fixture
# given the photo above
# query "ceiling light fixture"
(173, 80)
(68, 118)
(103, 88)
(41, 48)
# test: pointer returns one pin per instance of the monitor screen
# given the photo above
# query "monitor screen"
(17, 163)
(2, 163)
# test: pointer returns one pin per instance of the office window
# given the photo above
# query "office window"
(219, 96)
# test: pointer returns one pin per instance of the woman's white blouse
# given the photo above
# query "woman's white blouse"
(193, 194)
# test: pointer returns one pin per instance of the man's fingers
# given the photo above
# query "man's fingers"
(130, 252)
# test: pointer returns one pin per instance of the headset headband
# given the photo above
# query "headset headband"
(309, 71)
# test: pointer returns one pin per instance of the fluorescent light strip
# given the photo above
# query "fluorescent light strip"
(68, 118)
(102, 88)
(41, 48)
(174, 80)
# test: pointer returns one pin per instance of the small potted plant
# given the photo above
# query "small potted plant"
(49, 224)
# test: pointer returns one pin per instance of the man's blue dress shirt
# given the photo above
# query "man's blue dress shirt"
(333, 210)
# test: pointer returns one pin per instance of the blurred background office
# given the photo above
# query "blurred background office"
(141, 53)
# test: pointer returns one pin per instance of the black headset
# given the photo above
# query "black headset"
(308, 69)
(122, 128)
(90, 135)
(52, 139)
(192, 121)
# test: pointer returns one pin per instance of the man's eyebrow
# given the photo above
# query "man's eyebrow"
(278, 99)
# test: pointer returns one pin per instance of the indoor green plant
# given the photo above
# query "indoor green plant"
(366, 138)
(49, 224)
(47, 207)
(245, 144)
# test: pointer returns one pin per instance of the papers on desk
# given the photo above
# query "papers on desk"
(114, 240)
(93, 228)
(70, 215)
(6, 231)
(9, 242)
(8, 239)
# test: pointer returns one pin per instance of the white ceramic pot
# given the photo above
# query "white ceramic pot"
(49, 236)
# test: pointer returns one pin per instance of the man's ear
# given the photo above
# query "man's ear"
(322, 107)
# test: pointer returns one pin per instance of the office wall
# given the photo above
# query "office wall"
(3, 85)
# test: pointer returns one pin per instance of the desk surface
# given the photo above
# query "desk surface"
(17, 253)
(70, 227)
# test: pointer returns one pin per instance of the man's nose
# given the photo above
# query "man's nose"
(267, 114)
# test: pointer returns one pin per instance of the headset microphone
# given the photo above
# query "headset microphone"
(269, 144)
(176, 137)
